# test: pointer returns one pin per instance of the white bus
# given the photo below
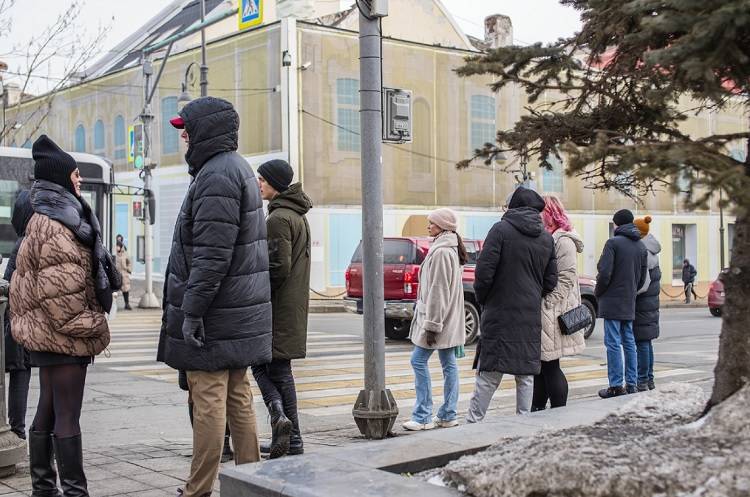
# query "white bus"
(17, 173)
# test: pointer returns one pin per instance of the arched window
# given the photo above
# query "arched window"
(119, 138)
(80, 139)
(99, 137)
(169, 135)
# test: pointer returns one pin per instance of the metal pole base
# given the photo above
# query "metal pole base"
(12, 451)
(375, 412)
(149, 301)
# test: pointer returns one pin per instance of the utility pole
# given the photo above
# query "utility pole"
(204, 66)
(375, 410)
(149, 300)
(721, 229)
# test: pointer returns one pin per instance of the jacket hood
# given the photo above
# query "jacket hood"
(525, 197)
(22, 212)
(213, 127)
(527, 220)
(628, 230)
(292, 198)
(651, 243)
(572, 235)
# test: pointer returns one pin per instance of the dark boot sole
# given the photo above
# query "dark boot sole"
(280, 439)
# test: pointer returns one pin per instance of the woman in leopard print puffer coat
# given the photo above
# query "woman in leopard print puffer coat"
(59, 293)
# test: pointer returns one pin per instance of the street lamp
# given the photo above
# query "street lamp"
(185, 95)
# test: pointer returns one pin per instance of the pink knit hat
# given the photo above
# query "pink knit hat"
(445, 218)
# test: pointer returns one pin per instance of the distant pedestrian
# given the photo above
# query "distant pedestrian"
(17, 363)
(623, 268)
(439, 322)
(516, 269)
(125, 266)
(551, 384)
(217, 310)
(60, 291)
(289, 268)
(688, 279)
(646, 325)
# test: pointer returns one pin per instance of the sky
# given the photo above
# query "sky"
(533, 20)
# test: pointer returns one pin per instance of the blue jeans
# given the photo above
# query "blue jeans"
(423, 407)
(645, 361)
(618, 337)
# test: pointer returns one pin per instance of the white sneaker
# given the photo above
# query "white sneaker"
(414, 426)
(444, 424)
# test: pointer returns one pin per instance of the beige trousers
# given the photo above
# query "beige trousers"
(218, 396)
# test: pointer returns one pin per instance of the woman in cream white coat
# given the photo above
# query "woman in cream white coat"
(438, 322)
(551, 383)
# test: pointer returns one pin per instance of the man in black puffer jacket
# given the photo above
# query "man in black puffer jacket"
(516, 269)
(217, 311)
(623, 268)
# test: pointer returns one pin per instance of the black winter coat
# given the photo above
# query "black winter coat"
(16, 357)
(218, 265)
(646, 325)
(688, 273)
(622, 268)
(516, 269)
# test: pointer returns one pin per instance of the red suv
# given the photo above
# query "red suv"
(716, 296)
(401, 260)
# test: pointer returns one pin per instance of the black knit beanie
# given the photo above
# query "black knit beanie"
(277, 173)
(51, 163)
(623, 217)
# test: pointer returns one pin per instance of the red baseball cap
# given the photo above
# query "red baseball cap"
(177, 122)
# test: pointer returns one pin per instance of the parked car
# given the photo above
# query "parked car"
(401, 260)
(716, 296)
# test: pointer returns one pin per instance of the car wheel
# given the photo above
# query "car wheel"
(397, 329)
(715, 311)
(590, 330)
(472, 322)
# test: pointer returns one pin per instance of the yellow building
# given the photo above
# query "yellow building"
(306, 111)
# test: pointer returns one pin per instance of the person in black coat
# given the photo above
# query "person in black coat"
(646, 325)
(217, 309)
(688, 279)
(516, 269)
(623, 268)
(16, 357)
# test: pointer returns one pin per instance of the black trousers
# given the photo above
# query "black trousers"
(18, 396)
(550, 384)
(276, 382)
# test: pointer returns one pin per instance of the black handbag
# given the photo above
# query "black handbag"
(574, 320)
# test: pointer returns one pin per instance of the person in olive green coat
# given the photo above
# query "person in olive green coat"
(289, 265)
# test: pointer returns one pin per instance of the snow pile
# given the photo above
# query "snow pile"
(653, 446)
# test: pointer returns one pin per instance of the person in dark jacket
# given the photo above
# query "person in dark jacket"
(16, 357)
(289, 266)
(516, 269)
(688, 279)
(646, 325)
(217, 311)
(623, 268)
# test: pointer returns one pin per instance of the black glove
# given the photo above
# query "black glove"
(193, 332)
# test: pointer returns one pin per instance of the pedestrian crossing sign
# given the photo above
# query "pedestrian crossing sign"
(250, 13)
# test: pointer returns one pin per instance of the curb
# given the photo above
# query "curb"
(326, 306)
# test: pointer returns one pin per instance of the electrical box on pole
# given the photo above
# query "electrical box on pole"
(375, 8)
(397, 115)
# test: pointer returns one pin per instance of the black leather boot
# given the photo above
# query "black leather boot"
(43, 476)
(281, 428)
(69, 455)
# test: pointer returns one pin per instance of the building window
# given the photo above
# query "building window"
(119, 138)
(684, 246)
(27, 143)
(483, 127)
(80, 139)
(552, 179)
(347, 114)
(169, 135)
(99, 137)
